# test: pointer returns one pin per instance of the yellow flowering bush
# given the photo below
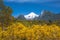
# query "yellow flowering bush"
(17, 31)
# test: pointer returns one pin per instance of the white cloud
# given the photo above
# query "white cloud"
(20, 0)
(38, 1)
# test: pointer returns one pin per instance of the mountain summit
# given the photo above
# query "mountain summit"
(31, 16)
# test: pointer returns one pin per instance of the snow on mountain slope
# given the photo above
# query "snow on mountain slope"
(31, 16)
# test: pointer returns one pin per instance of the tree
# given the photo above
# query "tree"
(5, 15)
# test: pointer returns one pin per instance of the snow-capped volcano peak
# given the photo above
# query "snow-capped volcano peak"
(31, 16)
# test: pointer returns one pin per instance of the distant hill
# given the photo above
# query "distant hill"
(21, 17)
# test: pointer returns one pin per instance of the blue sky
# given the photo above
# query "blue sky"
(26, 6)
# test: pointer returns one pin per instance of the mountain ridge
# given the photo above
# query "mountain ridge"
(45, 15)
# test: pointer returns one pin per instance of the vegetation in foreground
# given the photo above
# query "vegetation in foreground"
(18, 31)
